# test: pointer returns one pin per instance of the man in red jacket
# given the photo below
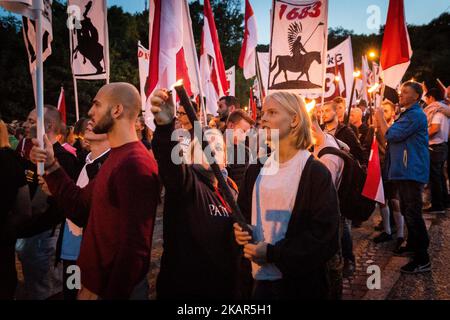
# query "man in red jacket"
(120, 202)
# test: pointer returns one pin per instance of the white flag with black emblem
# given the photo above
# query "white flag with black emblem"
(89, 39)
(29, 35)
(298, 46)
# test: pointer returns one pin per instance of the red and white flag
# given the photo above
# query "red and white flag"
(373, 187)
(396, 50)
(172, 49)
(212, 69)
(62, 105)
(247, 58)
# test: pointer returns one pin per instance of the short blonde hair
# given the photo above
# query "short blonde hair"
(295, 106)
(4, 137)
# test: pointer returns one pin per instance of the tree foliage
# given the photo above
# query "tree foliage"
(429, 42)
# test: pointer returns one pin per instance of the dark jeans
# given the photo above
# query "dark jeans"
(267, 290)
(346, 240)
(410, 193)
(438, 186)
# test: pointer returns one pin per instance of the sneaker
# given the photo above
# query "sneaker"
(405, 250)
(434, 210)
(414, 267)
(382, 237)
(349, 268)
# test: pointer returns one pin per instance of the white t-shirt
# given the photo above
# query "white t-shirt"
(272, 204)
(334, 163)
(442, 135)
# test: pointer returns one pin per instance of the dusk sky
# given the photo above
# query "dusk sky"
(350, 14)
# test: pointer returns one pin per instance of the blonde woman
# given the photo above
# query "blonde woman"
(293, 212)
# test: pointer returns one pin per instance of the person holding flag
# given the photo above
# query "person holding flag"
(200, 257)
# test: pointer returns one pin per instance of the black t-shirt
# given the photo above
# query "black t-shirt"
(12, 178)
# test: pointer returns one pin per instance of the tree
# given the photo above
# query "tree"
(429, 42)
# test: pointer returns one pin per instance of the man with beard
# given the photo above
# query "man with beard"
(120, 202)
(341, 131)
(225, 106)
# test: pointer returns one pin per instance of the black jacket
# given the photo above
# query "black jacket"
(200, 257)
(346, 135)
(241, 159)
(312, 237)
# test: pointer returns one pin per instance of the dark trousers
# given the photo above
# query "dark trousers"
(438, 186)
(410, 193)
(267, 290)
(346, 240)
(8, 274)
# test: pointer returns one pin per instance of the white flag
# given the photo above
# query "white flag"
(143, 59)
(247, 58)
(214, 81)
(264, 62)
(340, 65)
(29, 36)
(298, 46)
(231, 79)
(172, 50)
(89, 39)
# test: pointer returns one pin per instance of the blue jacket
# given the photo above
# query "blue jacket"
(408, 157)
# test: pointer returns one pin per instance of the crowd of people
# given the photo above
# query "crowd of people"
(92, 213)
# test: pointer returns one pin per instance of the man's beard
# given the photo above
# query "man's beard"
(224, 117)
(104, 125)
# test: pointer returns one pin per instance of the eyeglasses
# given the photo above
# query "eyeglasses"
(179, 113)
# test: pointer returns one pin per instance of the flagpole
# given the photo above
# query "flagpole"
(325, 50)
(106, 42)
(75, 86)
(197, 69)
(75, 90)
(39, 82)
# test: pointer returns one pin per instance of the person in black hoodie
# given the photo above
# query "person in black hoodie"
(238, 124)
(200, 257)
(293, 211)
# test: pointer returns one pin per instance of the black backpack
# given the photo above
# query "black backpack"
(352, 203)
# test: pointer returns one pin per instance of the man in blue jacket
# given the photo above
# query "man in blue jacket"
(408, 166)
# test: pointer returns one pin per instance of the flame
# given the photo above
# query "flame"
(310, 105)
(179, 83)
(374, 87)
